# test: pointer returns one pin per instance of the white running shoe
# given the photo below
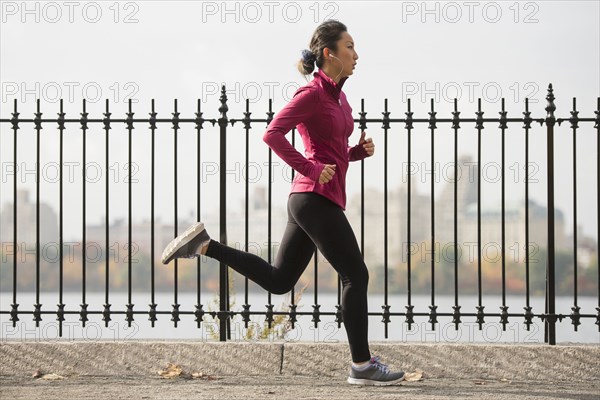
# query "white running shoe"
(186, 245)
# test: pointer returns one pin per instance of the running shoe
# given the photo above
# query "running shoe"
(186, 245)
(374, 374)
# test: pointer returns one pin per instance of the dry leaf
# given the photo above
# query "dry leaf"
(413, 376)
(172, 371)
(479, 382)
(52, 377)
(175, 371)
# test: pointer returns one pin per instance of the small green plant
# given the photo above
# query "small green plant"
(280, 326)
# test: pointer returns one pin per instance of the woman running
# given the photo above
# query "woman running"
(317, 200)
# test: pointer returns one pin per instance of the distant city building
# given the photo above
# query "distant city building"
(26, 221)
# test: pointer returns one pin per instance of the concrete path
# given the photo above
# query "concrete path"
(288, 387)
(233, 370)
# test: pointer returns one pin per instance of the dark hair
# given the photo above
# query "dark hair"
(326, 35)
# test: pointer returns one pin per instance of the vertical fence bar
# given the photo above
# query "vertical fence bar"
(106, 311)
(223, 271)
(385, 307)
(14, 313)
(575, 309)
(199, 312)
(152, 313)
(175, 310)
(597, 126)
(527, 125)
(246, 120)
(455, 126)
(316, 307)
(153, 305)
(409, 307)
(37, 313)
(550, 278)
(479, 127)
(361, 126)
(129, 315)
(504, 307)
(61, 306)
(432, 307)
(83, 310)
(269, 314)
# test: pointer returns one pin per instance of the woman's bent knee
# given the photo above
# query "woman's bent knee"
(281, 284)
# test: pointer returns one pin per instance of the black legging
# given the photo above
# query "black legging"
(312, 219)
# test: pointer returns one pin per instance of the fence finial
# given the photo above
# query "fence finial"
(551, 107)
(223, 109)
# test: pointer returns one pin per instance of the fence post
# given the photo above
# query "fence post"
(223, 269)
(550, 323)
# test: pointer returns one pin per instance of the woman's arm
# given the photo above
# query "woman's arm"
(299, 109)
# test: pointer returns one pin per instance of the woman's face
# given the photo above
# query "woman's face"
(346, 56)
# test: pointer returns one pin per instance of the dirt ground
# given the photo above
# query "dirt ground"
(285, 387)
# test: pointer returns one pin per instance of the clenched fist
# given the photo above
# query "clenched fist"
(327, 173)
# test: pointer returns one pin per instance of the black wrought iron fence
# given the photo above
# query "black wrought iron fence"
(549, 316)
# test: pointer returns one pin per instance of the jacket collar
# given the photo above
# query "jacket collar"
(329, 84)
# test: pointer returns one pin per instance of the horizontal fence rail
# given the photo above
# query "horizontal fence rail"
(480, 315)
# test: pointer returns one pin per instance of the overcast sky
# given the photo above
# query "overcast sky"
(185, 50)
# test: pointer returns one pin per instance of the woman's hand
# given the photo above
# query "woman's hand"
(367, 144)
(327, 173)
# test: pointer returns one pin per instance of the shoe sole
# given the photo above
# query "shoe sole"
(369, 382)
(180, 241)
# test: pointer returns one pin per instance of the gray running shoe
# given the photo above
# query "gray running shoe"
(376, 374)
(186, 245)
